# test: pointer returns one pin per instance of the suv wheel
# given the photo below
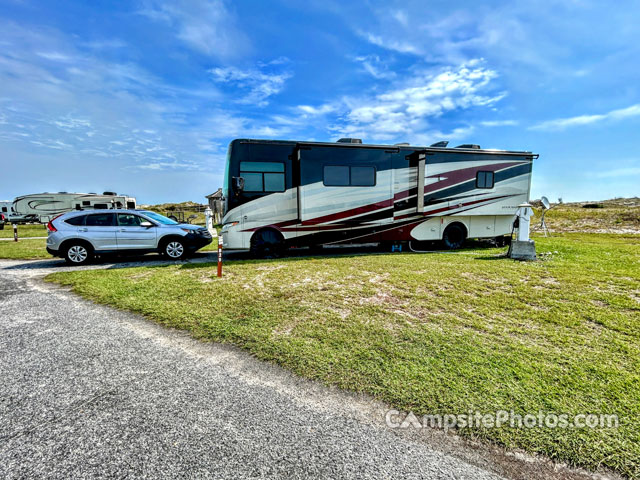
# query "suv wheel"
(174, 249)
(78, 254)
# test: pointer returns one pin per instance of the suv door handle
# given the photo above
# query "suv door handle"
(122, 230)
(83, 229)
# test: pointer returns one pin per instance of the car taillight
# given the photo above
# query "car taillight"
(50, 226)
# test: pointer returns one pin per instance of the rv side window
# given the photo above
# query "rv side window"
(4, 209)
(86, 203)
(262, 176)
(363, 176)
(344, 176)
(336, 176)
(484, 180)
(76, 221)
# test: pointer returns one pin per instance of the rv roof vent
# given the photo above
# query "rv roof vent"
(401, 144)
(442, 144)
(469, 145)
(109, 193)
(350, 140)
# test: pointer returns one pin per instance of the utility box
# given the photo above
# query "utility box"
(523, 248)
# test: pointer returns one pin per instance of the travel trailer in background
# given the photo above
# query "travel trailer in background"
(286, 193)
(5, 207)
(42, 207)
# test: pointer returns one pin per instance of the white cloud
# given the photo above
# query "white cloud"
(374, 66)
(206, 26)
(400, 46)
(320, 110)
(562, 123)
(259, 85)
(406, 109)
(499, 123)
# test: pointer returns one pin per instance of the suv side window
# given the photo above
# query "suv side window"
(129, 220)
(76, 221)
(101, 220)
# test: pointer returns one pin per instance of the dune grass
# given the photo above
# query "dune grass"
(432, 333)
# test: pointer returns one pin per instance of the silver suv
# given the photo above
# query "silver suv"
(78, 236)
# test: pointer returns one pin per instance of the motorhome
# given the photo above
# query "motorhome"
(286, 193)
(44, 206)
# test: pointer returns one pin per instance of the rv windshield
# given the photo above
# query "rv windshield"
(159, 218)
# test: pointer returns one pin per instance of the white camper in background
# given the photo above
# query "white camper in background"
(45, 206)
(5, 207)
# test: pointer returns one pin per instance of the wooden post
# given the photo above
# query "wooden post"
(220, 256)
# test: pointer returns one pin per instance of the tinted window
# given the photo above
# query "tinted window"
(363, 176)
(129, 220)
(273, 182)
(100, 206)
(336, 176)
(484, 180)
(79, 220)
(86, 203)
(262, 176)
(4, 209)
(343, 176)
(100, 220)
(252, 182)
(262, 167)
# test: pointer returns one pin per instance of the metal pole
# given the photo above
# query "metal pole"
(220, 256)
(15, 232)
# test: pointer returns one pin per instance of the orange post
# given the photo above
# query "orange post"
(220, 256)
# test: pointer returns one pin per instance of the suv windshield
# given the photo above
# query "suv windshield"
(159, 218)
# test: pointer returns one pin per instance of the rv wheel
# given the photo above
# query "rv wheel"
(266, 244)
(454, 236)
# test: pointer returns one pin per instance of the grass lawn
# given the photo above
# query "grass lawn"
(24, 249)
(432, 333)
(24, 231)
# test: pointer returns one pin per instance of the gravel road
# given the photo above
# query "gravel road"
(89, 391)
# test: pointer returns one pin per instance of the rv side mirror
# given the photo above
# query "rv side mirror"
(146, 224)
(237, 184)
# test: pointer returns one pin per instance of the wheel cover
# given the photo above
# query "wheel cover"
(174, 249)
(78, 254)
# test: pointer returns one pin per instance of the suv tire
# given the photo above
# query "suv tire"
(174, 249)
(78, 253)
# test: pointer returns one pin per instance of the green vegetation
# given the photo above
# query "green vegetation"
(432, 333)
(24, 231)
(612, 216)
(24, 249)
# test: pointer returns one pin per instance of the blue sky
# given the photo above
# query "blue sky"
(144, 97)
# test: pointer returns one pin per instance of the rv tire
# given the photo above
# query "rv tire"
(267, 243)
(454, 236)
